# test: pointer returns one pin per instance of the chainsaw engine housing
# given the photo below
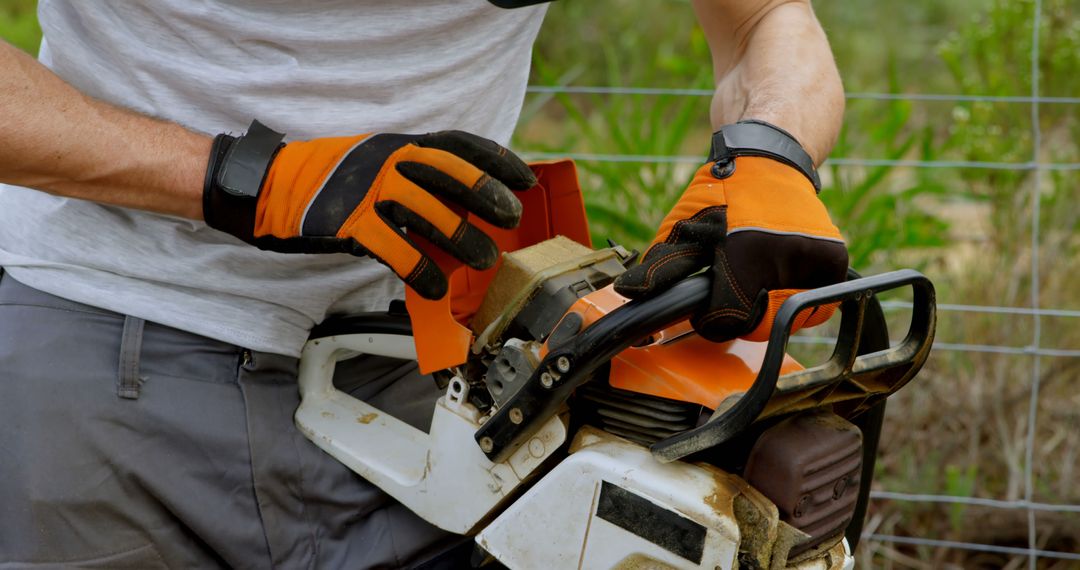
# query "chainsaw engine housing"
(808, 464)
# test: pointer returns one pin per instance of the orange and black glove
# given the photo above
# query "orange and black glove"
(359, 194)
(752, 216)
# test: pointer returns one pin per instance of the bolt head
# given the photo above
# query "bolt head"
(546, 380)
(516, 416)
(486, 444)
(562, 364)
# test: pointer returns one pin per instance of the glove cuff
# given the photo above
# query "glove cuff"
(234, 177)
(758, 138)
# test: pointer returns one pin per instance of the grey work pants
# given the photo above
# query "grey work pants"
(126, 444)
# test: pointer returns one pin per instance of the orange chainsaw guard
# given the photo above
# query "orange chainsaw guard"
(689, 368)
(553, 207)
(675, 362)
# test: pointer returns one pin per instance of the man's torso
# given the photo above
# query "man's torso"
(306, 68)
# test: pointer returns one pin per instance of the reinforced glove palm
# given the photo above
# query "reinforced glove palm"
(752, 216)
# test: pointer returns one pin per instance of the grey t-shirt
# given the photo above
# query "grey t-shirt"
(312, 68)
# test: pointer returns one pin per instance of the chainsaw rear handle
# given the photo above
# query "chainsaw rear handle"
(573, 362)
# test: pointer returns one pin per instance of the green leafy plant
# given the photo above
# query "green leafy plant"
(968, 228)
(18, 24)
(959, 482)
(626, 200)
(877, 219)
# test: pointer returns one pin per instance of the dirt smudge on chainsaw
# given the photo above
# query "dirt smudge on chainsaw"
(366, 418)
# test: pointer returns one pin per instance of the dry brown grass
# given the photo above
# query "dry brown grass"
(961, 428)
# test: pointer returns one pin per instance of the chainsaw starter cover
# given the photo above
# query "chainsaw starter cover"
(809, 465)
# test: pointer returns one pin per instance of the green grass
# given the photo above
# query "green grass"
(18, 24)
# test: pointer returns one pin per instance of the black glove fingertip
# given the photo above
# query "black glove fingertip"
(485, 154)
(505, 208)
(631, 284)
(663, 265)
(428, 280)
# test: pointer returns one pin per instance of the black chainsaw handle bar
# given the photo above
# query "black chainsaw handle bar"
(572, 363)
(864, 379)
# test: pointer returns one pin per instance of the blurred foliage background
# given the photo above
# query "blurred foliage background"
(18, 24)
(961, 427)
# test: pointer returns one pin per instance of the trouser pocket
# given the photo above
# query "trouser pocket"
(89, 478)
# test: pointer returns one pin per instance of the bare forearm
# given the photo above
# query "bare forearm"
(773, 63)
(60, 141)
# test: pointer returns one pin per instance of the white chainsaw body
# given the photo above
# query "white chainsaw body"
(442, 475)
(607, 504)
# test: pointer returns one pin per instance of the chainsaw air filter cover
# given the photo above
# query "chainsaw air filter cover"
(535, 286)
(809, 466)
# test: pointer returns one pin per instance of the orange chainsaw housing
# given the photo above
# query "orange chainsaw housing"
(674, 363)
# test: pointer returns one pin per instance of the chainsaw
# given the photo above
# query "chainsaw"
(580, 429)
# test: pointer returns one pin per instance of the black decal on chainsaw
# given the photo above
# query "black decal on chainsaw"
(662, 527)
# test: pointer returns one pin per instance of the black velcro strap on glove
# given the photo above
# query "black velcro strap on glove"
(247, 160)
(758, 138)
(234, 177)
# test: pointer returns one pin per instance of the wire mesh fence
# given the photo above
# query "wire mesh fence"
(1032, 348)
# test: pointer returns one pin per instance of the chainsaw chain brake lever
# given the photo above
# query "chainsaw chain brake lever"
(846, 380)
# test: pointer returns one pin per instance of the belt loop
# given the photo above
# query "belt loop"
(130, 347)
